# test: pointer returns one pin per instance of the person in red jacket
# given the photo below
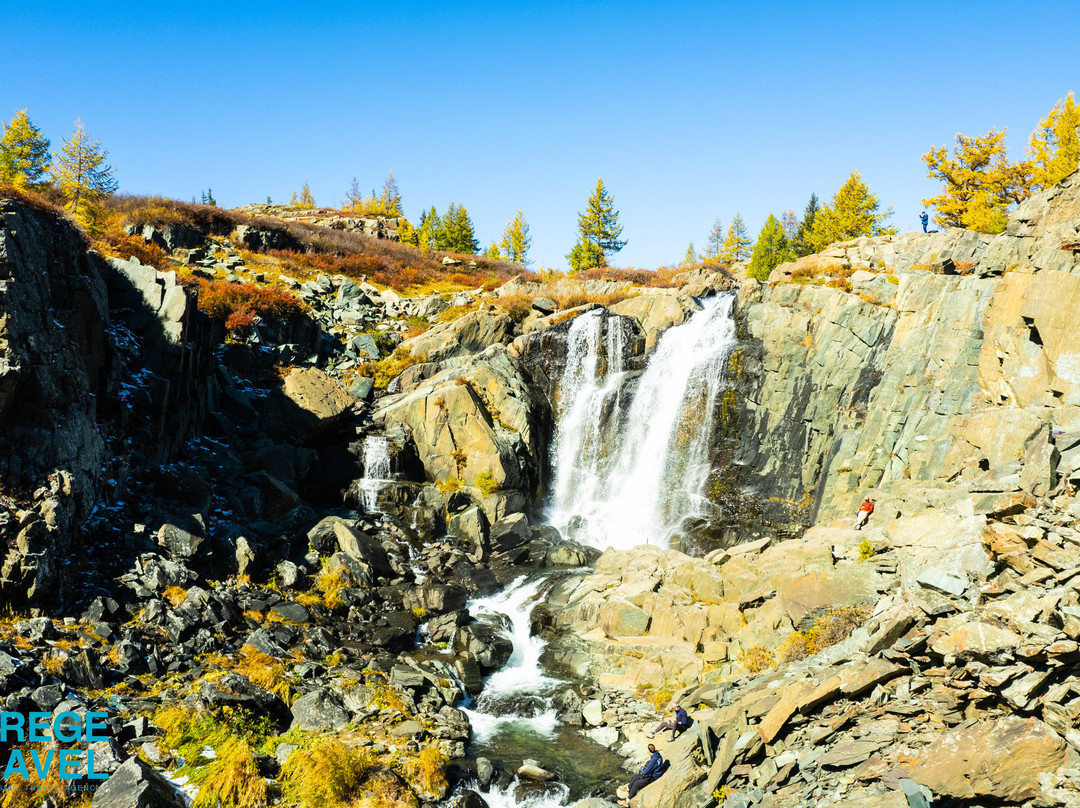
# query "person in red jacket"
(865, 510)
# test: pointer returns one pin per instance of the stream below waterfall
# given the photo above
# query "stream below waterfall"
(514, 718)
(631, 460)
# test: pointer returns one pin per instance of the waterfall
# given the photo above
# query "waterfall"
(649, 476)
(376, 460)
(589, 392)
(515, 694)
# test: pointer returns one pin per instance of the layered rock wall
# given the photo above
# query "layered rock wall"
(839, 395)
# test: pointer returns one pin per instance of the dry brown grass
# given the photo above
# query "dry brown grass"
(757, 659)
(829, 628)
(659, 278)
(327, 774)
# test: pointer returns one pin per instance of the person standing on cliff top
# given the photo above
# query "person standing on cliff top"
(924, 219)
(865, 510)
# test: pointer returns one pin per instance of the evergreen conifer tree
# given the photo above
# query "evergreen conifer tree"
(456, 233)
(24, 154)
(599, 231)
(801, 242)
(516, 241)
(83, 176)
(737, 242)
(427, 235)
(772, 249)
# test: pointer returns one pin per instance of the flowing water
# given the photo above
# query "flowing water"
(376, 460)
(514, 718)
(626, 476)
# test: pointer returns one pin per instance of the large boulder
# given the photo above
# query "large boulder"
(657, 310)
(998, 759)
(467, 335)
(481, 418)
(136, 785)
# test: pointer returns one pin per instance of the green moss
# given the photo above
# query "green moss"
(727, 406)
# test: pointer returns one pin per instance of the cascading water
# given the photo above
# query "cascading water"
(514, 717)
(376, 460)
(640, 487)
(588, 391)
(518, 692)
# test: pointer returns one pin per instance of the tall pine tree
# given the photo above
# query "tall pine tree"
(599, 231)
(801, 242)
(771, 250)
(516, 241)
(24, 154)
(83, 176)
(456, 233)
(737, 242)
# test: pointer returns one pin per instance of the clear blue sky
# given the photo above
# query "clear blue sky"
(688, 111)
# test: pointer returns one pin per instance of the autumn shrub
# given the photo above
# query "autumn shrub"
(516, 305)
(485, 481)
(385, 370)
(236, 304)
(659, 278)
(328, 774)
(456, 312)
(757, 659)
(427, 770)
(126, 247)
(828, 628)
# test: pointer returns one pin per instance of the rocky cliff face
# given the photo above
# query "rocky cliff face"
(948, 378)
(100, 363)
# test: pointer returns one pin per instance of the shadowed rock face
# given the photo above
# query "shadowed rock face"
(76, 382)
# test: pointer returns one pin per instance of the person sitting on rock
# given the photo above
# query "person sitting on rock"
(677, 725)
(649, 772)
(865, 510)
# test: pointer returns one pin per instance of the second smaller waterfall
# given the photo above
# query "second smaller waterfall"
(376, 460)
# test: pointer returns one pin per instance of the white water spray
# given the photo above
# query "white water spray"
(376, 460)
(650, 477)
(522, 675)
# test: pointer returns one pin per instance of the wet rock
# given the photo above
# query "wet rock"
(486, 644)
(532, 770)
(485, 772)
